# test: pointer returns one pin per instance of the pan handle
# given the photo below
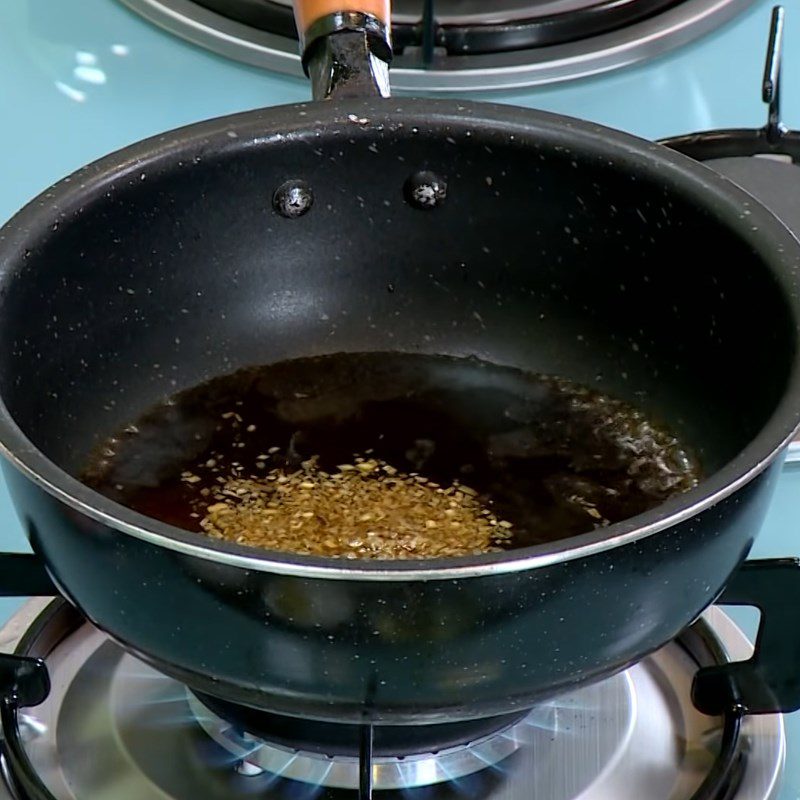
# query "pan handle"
(25, 575)
(769, 682)
(308, 12)
(346, 46)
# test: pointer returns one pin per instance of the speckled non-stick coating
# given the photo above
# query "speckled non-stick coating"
(560, 247)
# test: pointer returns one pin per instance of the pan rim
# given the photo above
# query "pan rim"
(771, 236)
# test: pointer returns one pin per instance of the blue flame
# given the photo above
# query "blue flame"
(298, 790)
(163, 703)
(165, 711)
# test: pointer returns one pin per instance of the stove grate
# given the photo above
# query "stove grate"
(774, 140)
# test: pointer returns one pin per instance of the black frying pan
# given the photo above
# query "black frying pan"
(168, 263)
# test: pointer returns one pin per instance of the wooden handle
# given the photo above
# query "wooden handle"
(307, 12)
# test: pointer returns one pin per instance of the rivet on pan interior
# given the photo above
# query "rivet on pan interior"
(425, 190)
(292, 199)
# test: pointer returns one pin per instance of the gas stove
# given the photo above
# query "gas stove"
(83, 79)
(112, 727)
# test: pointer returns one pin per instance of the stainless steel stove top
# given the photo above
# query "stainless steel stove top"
(114, 728)
(471, 45)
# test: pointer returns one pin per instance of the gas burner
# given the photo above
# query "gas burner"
(458, 45)
(418, 767)
(326, 738)
(328, 754)
(113, 727)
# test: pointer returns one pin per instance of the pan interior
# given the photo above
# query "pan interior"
(562, 257)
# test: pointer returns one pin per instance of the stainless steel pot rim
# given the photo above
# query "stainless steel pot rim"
(767, 235)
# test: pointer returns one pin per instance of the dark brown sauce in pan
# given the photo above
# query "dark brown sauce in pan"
(553, 458)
